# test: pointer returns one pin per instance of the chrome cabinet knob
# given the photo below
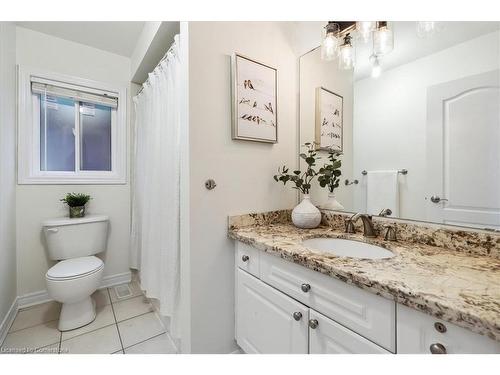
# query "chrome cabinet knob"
(437, 199)
(245, 258)
(437, 349)
(297, 315)
(305, 288)
(313, 323)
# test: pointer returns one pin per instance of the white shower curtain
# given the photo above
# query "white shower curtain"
(155, 198)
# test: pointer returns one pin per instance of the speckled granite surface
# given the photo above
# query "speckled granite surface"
(456, 281)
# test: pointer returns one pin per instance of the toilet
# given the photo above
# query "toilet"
(78, 273)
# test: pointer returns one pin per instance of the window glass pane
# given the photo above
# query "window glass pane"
(95, 129)
(57, 139)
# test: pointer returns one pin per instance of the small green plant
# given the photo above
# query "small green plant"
(76, 199)
(302, 180)
(329, 174)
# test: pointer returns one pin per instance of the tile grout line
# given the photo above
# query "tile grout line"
(107, 325)
(116, 322)
(143, 341)
(36, 325)
(60, 341)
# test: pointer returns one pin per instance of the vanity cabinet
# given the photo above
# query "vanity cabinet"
(282, 307)
(363, 312)
(419, 333)
(268, 321)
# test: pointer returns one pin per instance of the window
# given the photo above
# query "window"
(71, 130)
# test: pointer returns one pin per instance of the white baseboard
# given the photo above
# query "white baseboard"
(31, 299)
(119, 278)
(8, 320)
(42, 296)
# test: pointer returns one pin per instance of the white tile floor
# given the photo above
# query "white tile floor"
(122, 325)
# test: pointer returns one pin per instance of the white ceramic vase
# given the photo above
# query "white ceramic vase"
(306, 215)
(332, 203)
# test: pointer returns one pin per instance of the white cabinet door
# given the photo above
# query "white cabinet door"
(418, 331)
(329, 337)
(265, 321)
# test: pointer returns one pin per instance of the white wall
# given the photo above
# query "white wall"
(38, 202)
(315, 72)
(390, 115)
(7, 167)
(243, 170)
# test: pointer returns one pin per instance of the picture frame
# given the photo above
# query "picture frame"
(254, 100)
(329, 120)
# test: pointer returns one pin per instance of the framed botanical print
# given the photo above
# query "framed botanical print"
(329, 120)
(254, 95)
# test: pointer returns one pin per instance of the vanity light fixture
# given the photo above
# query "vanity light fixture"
(347, 54)
(364, 29)
(376, 67)
(330, 41)
(383, 39)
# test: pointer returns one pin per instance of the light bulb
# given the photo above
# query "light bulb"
(347, 56)
(365, 28)
(383, 40)
(330, 42)
(376, 67)
(376, 70)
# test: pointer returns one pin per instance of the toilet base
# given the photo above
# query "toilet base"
(77, 314)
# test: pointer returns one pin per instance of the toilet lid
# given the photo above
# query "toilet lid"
(76, 267)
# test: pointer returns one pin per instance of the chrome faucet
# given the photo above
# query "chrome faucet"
(368, 228)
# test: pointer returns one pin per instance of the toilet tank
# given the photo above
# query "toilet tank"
(72, 238)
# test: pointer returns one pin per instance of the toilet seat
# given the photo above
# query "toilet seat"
(74, 268)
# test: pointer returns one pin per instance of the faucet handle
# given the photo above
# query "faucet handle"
(349, 226)
(390, 234)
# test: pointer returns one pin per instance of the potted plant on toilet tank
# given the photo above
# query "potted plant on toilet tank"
(329, 176)
(305, 214)
(76, 203)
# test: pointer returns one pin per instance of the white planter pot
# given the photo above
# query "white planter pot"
(305, 214)
(332, 203)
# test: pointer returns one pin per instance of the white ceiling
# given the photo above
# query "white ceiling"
(408, 46)
(118, 37)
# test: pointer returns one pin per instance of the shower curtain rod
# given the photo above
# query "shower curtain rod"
(159, 62)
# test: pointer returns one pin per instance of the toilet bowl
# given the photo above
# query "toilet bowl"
(78, 274)
(72, 282)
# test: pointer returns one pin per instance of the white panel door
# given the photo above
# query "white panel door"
(463, 151)
(329, 337)
(268, 321)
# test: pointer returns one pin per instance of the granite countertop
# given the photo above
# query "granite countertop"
(455, 286)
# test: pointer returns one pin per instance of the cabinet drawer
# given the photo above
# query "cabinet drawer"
(417, 332)
(247, 258)
(330, 337)
(265, 321)
(369, 315)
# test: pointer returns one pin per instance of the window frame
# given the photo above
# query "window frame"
(29, 171)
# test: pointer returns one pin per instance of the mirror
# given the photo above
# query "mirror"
(422, 138)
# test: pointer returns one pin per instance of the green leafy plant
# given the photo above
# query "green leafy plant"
(302, 180)
(329, 174)
(76, 199)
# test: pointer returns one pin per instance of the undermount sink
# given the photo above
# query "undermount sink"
(347, 248)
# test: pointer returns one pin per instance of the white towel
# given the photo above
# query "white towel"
(382, 192)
